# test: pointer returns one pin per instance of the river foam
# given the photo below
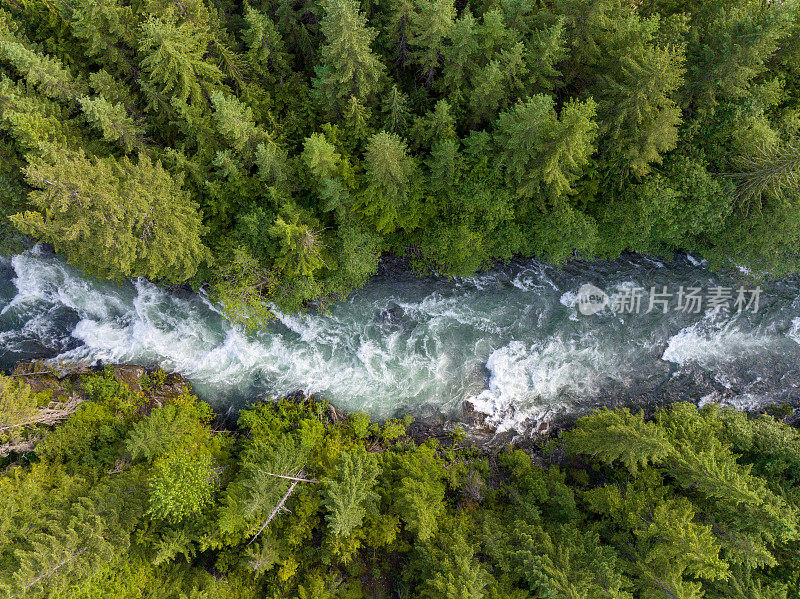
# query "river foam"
(511, 342)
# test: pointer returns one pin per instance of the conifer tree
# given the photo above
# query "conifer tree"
(234, 121)
(458, 576)
(267, 52)
(181, 483)
(639, 116)
(388, 201)
(541, 152)
(114, 219)
(349, 495)
(174, 60)
(114, 121)
(301, 247)
(320, 156)
(430, 27)
(348, 67)
(619, 435)
(44, 72)
(109, 30)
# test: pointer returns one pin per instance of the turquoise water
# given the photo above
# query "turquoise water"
(512, 342)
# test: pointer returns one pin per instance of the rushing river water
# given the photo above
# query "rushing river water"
(513, 341)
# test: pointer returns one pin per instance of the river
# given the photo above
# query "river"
(515, 342)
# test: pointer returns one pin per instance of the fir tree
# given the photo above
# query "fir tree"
(388, 201)
(114, 219)
(541, 152)
(348, 68)
(430, 27)
(349, 495)
(114, 121)
(174, 60)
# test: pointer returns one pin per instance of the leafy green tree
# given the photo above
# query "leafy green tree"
(182, 483)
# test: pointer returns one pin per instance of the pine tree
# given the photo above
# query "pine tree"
(771, 174)
(395, 110)
(458, 576)
(731, 46)
(461, 58)
(497, 84)
(348, 68)
(420, 505)
(545, 50)
(18, 408)
(73, 546)
(349, 495)
(266, 475)
(320, 156)
(243, 286)
(114, 219)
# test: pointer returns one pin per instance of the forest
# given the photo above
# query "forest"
(272, 151)
(113, 487)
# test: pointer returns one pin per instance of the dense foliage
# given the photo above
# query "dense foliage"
(128, 499)
(275, 149)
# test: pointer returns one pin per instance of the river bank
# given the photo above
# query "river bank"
(62, 382)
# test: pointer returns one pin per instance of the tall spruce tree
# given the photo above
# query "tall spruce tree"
(348, 68)
(114, 218)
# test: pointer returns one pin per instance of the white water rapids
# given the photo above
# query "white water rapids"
(511, 342)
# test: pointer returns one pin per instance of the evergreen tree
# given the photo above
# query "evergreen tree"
(430, 27)
(44, 72)
(389, 202)
(542, 153)
(348, 68)
(301, 247)
(640, 118)
(619, 435)
(234, 121)
(349, 495)
(174, 61)
(114, 121)
(114, 218)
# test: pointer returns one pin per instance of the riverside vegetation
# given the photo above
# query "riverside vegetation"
(136, 493)
(277, 149)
